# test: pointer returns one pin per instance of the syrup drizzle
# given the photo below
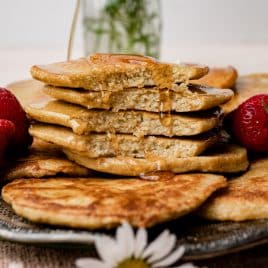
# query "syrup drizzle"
(72, 30)
(105, 98)
(157, 175)
(165, 106)
(113, 141)
(161, 73)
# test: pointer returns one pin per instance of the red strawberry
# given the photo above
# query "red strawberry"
(250, 123)
(7, 131)
(11, 109)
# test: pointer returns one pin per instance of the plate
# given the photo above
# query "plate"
(201, 239)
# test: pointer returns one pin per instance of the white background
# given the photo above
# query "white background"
(213, 32)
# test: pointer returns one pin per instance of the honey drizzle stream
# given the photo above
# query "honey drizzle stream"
(162, 75)
(157, 175)
(113, 141)
(165, 106)
(72, 30)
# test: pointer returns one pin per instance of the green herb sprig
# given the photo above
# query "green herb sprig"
(131, 27)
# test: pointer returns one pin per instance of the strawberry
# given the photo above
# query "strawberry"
(7, 131)
(11, 109)
(250, 123)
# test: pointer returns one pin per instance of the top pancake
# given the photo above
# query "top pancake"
(245, 198)
(101, 203)
(115, 72)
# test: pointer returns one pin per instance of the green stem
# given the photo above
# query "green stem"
(127, 19)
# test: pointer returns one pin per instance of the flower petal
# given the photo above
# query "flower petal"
(125, 240)
(141, 242)
(173, 257)
(163, 251)
(186, 265)
(14, 264)
(157, 245)
(106, 248)
(89, 262)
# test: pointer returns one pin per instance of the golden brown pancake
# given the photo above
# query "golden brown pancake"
(102, 203)
(245, 198)
(231, 158)
(246, 87)
(103, 145)
(28, 91)
(219, 78)
(83, 121)
(115, 72)
(151, 99)
(43, 160)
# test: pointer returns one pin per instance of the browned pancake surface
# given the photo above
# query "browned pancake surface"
(101, 203)
(245, 198)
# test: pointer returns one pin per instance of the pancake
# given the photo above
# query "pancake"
(115, 72)
(150, 99)
(93, 203)
(28, 91)
(43, 160)
(231, 158)
(102, 145)
(83, 121)
(246, 87)
(219, 78)
(245, 198)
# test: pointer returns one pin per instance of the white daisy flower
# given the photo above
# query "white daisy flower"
(128, 250)
(15, 265)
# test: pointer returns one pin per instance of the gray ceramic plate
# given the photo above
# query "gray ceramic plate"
(201, 239)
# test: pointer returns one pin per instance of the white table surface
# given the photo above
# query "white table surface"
(15, 63)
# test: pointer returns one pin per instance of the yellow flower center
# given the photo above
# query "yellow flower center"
(133, 263)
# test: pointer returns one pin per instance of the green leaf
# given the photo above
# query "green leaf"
(265, 105)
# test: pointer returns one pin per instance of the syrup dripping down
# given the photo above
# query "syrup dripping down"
(165, 106)
(72, 30)
(113, 141)
(157, 175)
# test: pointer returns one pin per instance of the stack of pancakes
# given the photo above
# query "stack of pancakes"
(125, 115)
(134, 115)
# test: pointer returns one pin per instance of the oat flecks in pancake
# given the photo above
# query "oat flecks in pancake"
(193, 98)
(231, 158)
(83, 121)
(245, 198)
(102, 145)
(101, 203)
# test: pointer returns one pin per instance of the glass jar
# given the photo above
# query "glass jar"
(122, 26)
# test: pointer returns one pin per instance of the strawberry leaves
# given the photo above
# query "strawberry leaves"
(265, 105)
